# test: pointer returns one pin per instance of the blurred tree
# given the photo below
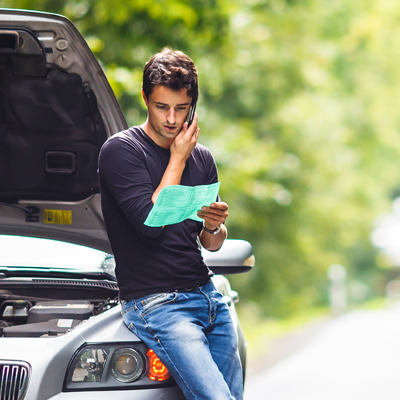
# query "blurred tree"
(297, 106)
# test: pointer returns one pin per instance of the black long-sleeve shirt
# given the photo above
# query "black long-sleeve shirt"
(149, 260)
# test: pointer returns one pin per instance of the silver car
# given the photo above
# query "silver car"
(61, 333)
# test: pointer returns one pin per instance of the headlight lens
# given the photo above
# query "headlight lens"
(110, 366)
(90, 365)
(127, 365)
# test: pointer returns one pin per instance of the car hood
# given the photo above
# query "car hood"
(57, 109)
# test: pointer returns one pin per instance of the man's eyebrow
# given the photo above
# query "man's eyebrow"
(165, 104)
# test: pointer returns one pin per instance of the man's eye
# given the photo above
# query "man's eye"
(161, 107)
(181, 108)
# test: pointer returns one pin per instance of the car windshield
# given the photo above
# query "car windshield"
(28, 252)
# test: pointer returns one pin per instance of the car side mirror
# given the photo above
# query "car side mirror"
(234, 257)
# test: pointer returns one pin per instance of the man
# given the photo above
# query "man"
(167, 297)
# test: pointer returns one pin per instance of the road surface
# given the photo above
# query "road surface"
(356, 356)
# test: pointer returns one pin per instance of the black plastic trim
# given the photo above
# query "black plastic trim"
(129, 386)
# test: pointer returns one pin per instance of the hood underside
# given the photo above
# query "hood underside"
(56, 111)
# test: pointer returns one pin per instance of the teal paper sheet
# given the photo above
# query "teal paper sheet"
(176, 203)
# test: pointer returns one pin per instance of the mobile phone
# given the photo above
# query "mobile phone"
(192, 111)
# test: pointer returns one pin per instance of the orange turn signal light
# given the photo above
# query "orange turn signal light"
(157, 370)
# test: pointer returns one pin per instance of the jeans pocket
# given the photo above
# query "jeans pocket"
(153, 302)
(127, 306)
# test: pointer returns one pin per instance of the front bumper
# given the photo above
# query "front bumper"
(169, 393)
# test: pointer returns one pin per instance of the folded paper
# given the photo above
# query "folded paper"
(176, 203)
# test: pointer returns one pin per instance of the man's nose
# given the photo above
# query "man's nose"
(171, 117)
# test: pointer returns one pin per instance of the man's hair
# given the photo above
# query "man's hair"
(173, 69)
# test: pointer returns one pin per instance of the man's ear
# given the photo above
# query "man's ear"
(145, 98)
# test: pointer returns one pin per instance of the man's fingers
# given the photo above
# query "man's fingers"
(193, 129)
(193, 132)
(196, 134)
(190, 135)
(212, 221)
(194, 122)
(216, 214)
(219, 206)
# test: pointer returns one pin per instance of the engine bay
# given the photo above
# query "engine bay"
(51, 314)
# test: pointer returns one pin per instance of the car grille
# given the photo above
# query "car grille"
(14, 377)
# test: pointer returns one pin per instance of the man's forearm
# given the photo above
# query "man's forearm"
(213, 242)
(172, 176)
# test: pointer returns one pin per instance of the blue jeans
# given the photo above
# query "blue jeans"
(192, 333)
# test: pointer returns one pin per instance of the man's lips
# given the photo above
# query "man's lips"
(169, 128)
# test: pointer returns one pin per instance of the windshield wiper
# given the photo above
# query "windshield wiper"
(60, 273)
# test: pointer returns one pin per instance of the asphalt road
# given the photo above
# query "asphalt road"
(356, 356)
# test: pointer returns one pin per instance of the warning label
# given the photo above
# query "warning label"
(62, 217)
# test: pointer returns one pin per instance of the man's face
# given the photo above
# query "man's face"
(167, 112)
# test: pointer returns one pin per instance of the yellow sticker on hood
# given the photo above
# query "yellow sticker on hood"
(62, 217)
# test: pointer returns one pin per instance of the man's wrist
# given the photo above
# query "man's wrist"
(177, 162)
(211, 231)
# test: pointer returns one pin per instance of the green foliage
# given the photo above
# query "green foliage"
(298, 105)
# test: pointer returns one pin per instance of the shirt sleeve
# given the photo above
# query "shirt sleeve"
(122, 169)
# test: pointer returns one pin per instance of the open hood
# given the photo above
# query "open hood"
(56, 111)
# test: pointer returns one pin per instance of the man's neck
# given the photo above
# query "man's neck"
(157, 139)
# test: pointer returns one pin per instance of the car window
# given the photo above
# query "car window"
(20, 252)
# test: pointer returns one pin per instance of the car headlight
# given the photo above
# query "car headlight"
(127, 365)
(118, 366)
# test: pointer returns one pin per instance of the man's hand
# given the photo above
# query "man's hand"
(185, 142)
(215, 215)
